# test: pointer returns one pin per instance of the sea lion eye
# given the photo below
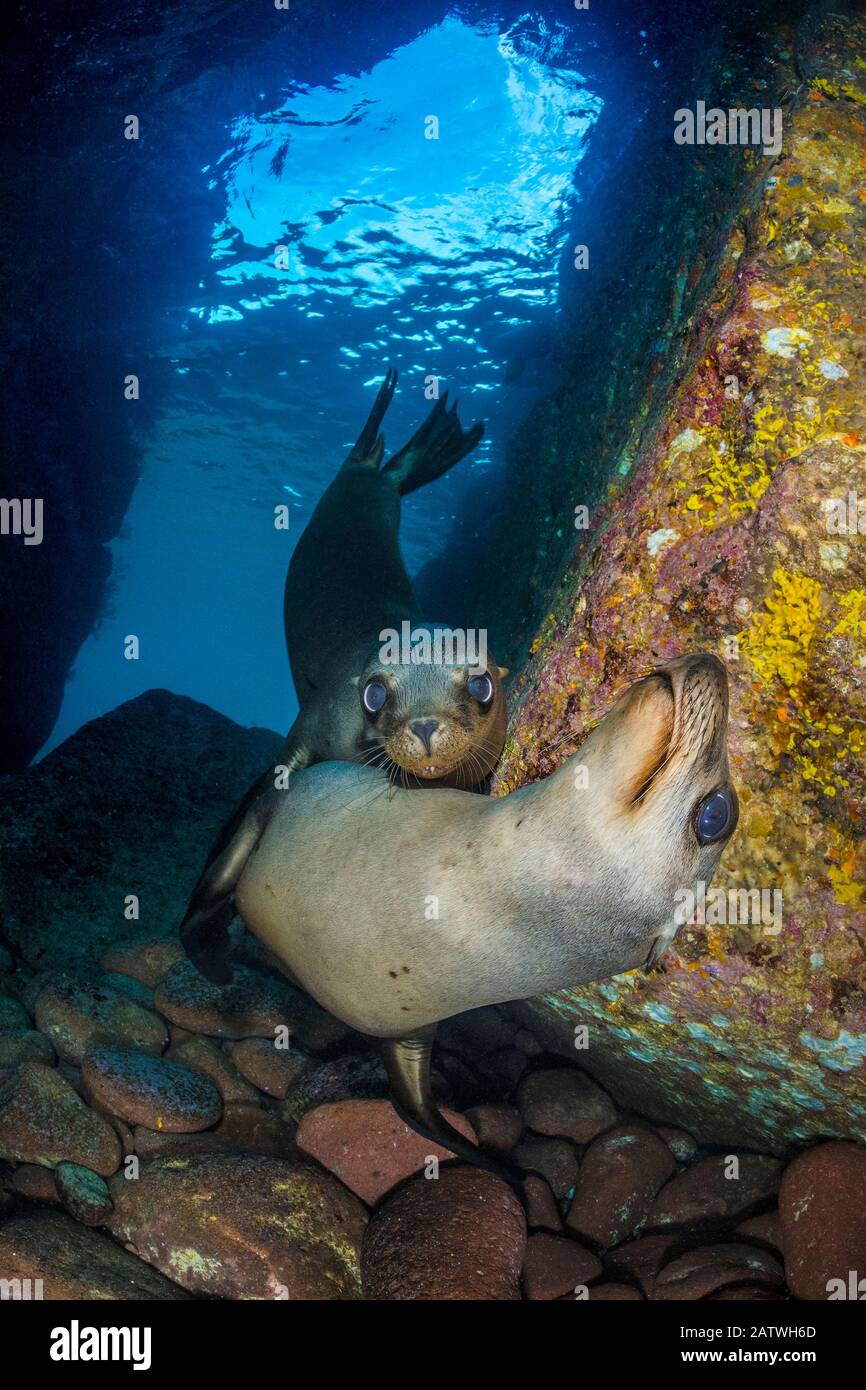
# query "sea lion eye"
(480, 688)
(374, 695)
(717, 815)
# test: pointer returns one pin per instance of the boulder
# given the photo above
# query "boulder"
(206, 1056)
(43, 1120)
(245, 1128)
(72, 1015)
(83, 1193)
(145, 959)
(151, 1091)
(564, 1102)
(64, 1261)
(554, 1159)
(822, 1210)
(130, 804)
(251, 1005)
(711, 1268)
(718, 1190)
(33, 1181)
(359, 1076)
(539, 1204)
(620, 1175)
(28, 1046)
(368, 1147)
(497, 1126)
(246, 1227)
(461, 1236)
(554, 1266)
(270, 1068)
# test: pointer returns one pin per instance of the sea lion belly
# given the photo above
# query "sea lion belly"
(379, 966)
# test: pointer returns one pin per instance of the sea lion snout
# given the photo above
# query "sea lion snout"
(665, 738)
(424, 729)
(699, 683)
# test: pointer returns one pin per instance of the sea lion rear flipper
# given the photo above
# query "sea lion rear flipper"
(407, 1062)
(204, 929)
(369, 446)
(437, 446)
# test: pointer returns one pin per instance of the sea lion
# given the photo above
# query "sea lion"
(396, 910)
(431, 715)
(434, 715)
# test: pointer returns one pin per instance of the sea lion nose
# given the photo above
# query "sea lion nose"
(424, 729)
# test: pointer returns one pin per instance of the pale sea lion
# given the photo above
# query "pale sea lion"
(436, 722)
(396, 910)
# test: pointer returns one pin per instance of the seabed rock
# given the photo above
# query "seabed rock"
(462, 1236)
(42, 1120)
(368, 1147)
(66, 1260)
(245, 1227)
(129, 805)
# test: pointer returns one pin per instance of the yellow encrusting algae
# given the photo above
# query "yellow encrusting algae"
(777, 642)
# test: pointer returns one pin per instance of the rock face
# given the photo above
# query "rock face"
(145, 833)
(732, 533)
(243, 1226)
(459, 1236)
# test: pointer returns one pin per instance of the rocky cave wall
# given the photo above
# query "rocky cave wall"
(722, 534)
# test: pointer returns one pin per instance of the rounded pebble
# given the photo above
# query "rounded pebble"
(151, 1091)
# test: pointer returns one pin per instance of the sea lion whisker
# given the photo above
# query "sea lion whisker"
(656, 773)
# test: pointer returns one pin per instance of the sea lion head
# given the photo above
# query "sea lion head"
(437, 713)
(658, 783)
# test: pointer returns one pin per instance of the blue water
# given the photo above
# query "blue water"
(437, 256)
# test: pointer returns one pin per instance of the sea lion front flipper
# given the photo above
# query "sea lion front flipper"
(437, 446)
(407, 1062)
(204, 929)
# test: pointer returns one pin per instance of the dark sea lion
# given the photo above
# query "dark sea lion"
(430, 711)
(396, 910)
(439, 718)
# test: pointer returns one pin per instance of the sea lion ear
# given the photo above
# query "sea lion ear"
(503, 672)
(355, 680)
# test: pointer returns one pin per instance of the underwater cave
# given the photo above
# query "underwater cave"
(240, 893)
